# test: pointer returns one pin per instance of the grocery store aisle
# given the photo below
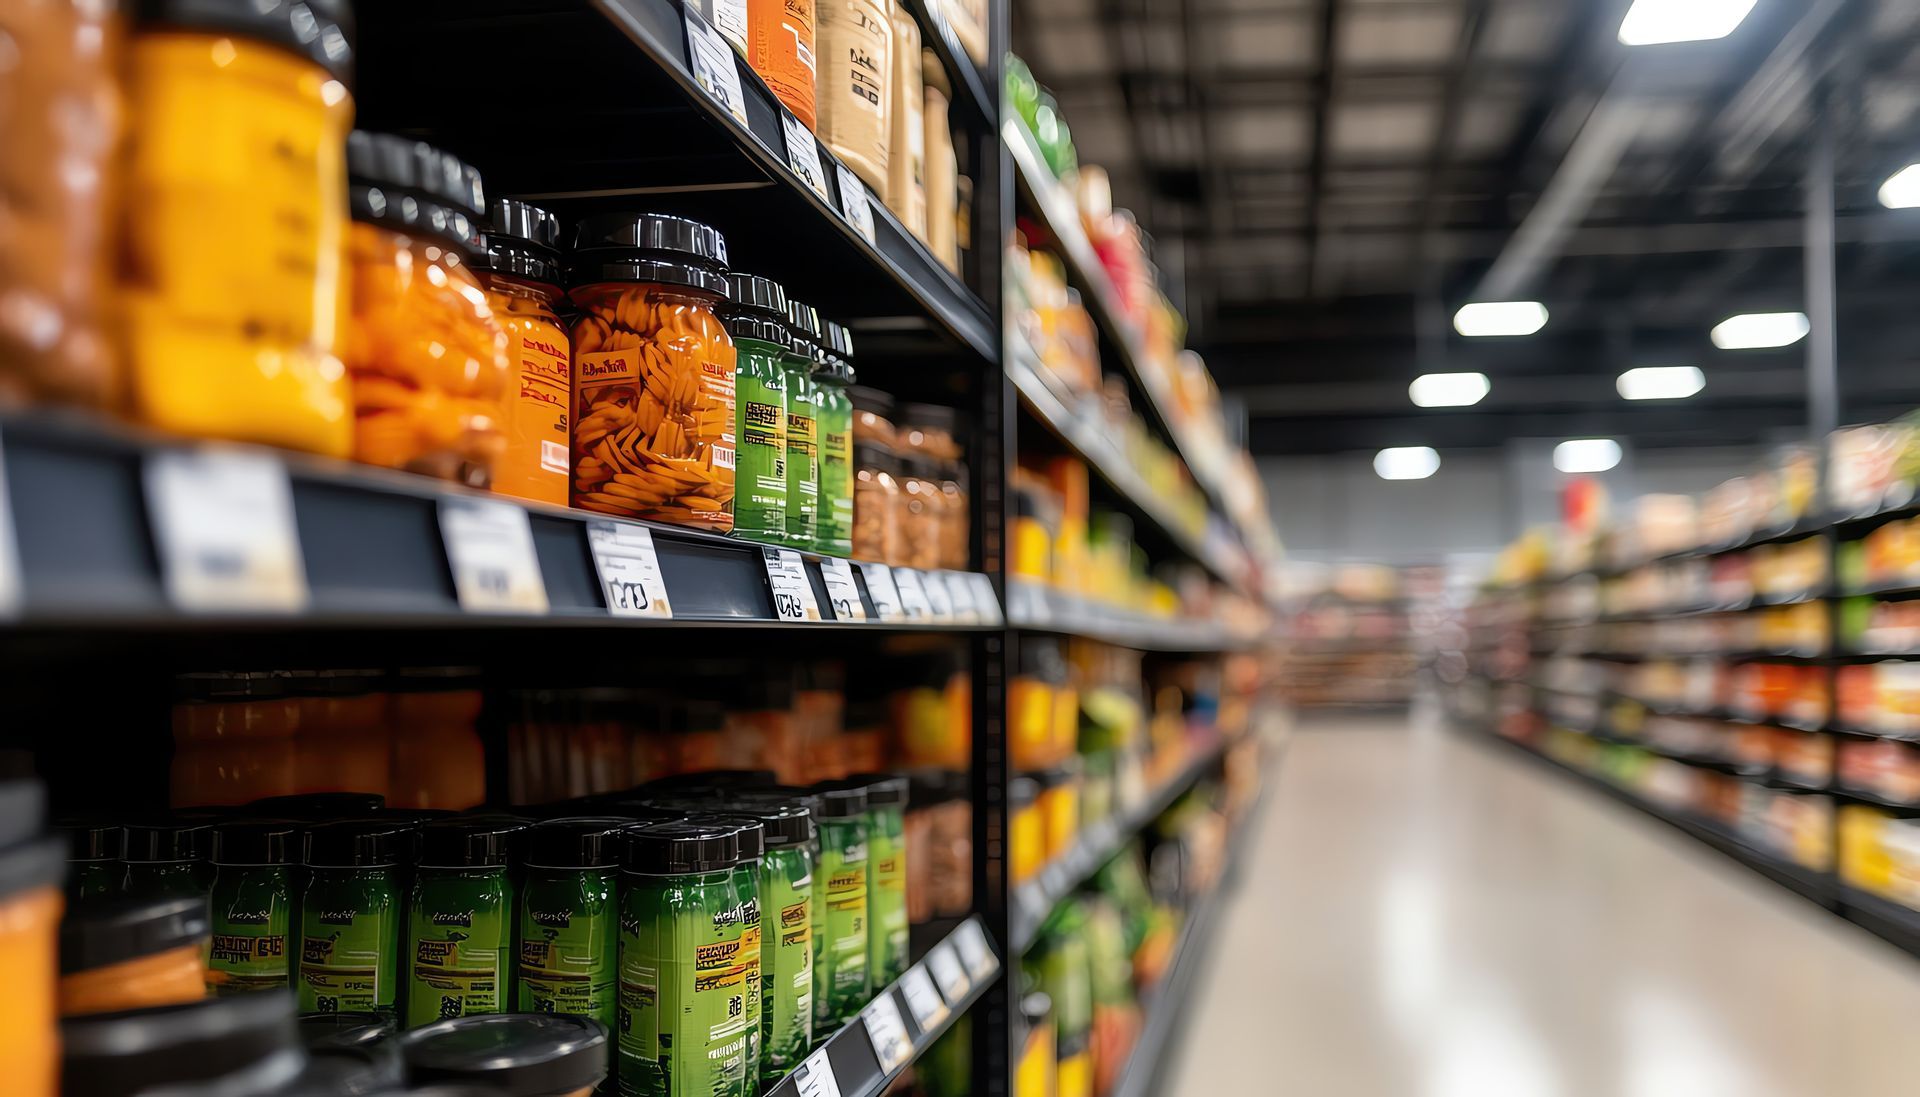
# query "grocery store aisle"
(1426, 915)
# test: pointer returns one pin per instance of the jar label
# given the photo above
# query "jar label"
(568, 941)
(251, 917)
(457, 941)
(787, 964)
(760, 470)
(349, 946)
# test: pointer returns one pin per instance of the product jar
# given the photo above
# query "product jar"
(569, 924)
(350, 915)
(780, 47)
(831, 378)
(222, 1046)
(520, 267)
(93, 858)
(888, 952)
(873, 416)
(854, 84)
(163, 859)
(653, 368)
(756, 317)
(427, 357)
(1060, 806)
(460, 919)
(512, 1054)
(234, 738)
(343, 741)
(787, 881)
(922, 512)
(842, 981)
(876, 504)
(907, 141)
(803, 427)
(439, 762)
(1026, 831)
(252, 905)
(127, 953)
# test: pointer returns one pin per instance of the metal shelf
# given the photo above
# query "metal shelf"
(1039, 608)
(970, 88)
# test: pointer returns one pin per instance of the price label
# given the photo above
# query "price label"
(922, 1000)
(814, 1078)
(842, 595)
(936, 587)
(792, 594)
(948, 973)
(730, 18)
(913, 595)
(960, 593)
(853, 200)
(891, 1044)
(881, 588)
(490, 547)
(629, 569)
(223, 524)
(974, 951)
(803, 155)
(713, 68)
(984, 600)
(10, 583)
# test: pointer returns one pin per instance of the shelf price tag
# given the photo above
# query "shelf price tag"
(712, 61)
(948, 973)
(881, 588)
(922, 1000)
(913, 596)
(854, 202)
(935, 586)
(972, 942)
(842, 595)
(984, 600)
(787, 576)
(490, 548)
(10, 582)
(888, 1032)
(803, 155)
(629, 569)
(814, 1077)
(960, 593)
(223, 524)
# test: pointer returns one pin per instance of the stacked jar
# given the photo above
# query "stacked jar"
(831, 377)
(520, 266)
(877, 495)
(931, 432)
(756, 318)
(803, 427)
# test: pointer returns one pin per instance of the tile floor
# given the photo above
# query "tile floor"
(1426, 915)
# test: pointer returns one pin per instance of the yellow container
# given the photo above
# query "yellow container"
(1030, 722)
(522, 273)
(30, 906)
(1026, 830)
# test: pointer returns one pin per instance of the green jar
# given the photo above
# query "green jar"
(350, 914)
(786, 921)
(756, 319)
(681, 1025)
(569, 920)
(842, 982)
(165, 859)
(460, 919)
(252, 905)
(803, 429)
(831, 377)
(888, 948)
(93, 859)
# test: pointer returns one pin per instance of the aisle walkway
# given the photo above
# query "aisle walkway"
(1424, 915)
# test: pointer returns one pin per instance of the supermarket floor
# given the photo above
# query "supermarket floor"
(1423, 914)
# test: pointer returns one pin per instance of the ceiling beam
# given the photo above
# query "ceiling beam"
(1322, 122)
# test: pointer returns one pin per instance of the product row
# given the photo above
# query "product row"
(1768, 573)
(1803, 758)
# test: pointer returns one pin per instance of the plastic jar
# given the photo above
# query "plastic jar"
(460, 919)
(803, 427)
(780, 47)
(513, 1054)
(30, 906)
(124, 953)
(439, 762)
(922, 512)
(252, 905)
(1026, 830)
(757, 319)
(873, 416)
(93, 858)
(888, 953)
(1060, 805)
(520, 268)
(344, 741)
(1030, 704)
(956, 524)
(350, 914)
(653, 371)
(222, 1046)
(876, 504)
(427, 357)
(235, 215)
(831, 378)
(786, 919)
(163, 860)
(234, 738)
(906, 141)
(842, 981)
(569, 924)
(854, 86)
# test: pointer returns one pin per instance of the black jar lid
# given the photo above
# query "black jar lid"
(165, 840)
(935, 786)
(254, 842)
(358, 1071)
(469, 841)
(358, 843)
(100, 932)
(648, 247)
(230, 685)
(883, 789)
(91, 840)
(936, 416)
(322, 1031)
(841, 799)
(522, 241)
(840, 341)
(804, 321)
(410, 186)
(521, 1054)
(320, 31)
(715, 778)
(580, 841)
(747, 828)
(836, 371)
(785, 813)
(184, 1048)
(874, 455)
(758, 310)
(685, 846)
(869, 399)
(316, 806)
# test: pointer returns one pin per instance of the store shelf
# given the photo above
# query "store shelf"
(1872, 799)
(850, 1054)
(1039, 608)
(971, 90)
(1034, 900)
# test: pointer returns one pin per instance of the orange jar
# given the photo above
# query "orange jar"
(30, 906)
(426, 356)
(344, 742)
(521, 269)
(132, 953)
(233, 736)
(780, 49)
(439, 762)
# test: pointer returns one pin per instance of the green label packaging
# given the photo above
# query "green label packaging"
(803, 457)
(459, 936)
(889, 948)
(835, 517)
(786, 1020)
(843, 952)
(569, 937)
(349, 941)
(760, 470)
(689, 972)
(252, 913)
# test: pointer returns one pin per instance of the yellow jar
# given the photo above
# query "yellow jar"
(234, 215)
(1026, 830)
(521, 268)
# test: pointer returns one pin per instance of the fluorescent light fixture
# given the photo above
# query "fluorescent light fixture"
(1484, 318)
(1586, 455)
(1406, 463)
(1449, 390)
(1902, 188)
(1759, 330)
(1661, 382)
(1657, 22)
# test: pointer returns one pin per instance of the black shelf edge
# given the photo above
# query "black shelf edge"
(1035, 607)
(1891, 921)
(1034, 900)
(857, 1070)
(1870, 799)
(970, 85)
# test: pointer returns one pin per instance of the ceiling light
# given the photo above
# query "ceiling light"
(1758, 330)
(1449, 390)
(1902, 188)
(1484, 318)
(1586, 455)
(1406, 463)
(1656, 22)
(1661, 382)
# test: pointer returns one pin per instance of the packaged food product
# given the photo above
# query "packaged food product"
(906, 140)
(842, 982)
(922, 511)
(1066, 977)
(350, 916)
(968, 18)
(803, 427)
(887, 948)
(344, 740)
(1060, 807)
(569, 924)
(439, 762)
(163, 859)
(876, 505)
(252, 904)
(234, 738)
(1026, 830)
(873, 416)
(653, 368)
(520, 268)
(513, 1054)
(125, 953)
(831, 378)
(234, 219)
(942, 167)
(787, 881)
(756, 317)
(247, 1045)
(93, 858)
(460, 919)
(780, 47)
(854, 85)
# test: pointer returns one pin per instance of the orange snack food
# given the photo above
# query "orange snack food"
(133, 953)
(780, 49)
(521, 268)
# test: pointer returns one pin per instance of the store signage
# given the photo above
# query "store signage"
(854, 202)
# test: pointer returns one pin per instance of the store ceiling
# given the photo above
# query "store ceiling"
(1326, 181)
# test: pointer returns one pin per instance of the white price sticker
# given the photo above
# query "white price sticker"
(629, 569)
(948, 973)
(881, 588)
(787, 577)
(803, 155)
(490, 548)
(935, 585)
(854, 202)
(730, 18)
(891, 1044)
(960, 593)
(814, 1078)
(223, 524)
(913, 595)
(713, 68)
(843, 596)
(922, 1000)
(972, 942)
(984, 600)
